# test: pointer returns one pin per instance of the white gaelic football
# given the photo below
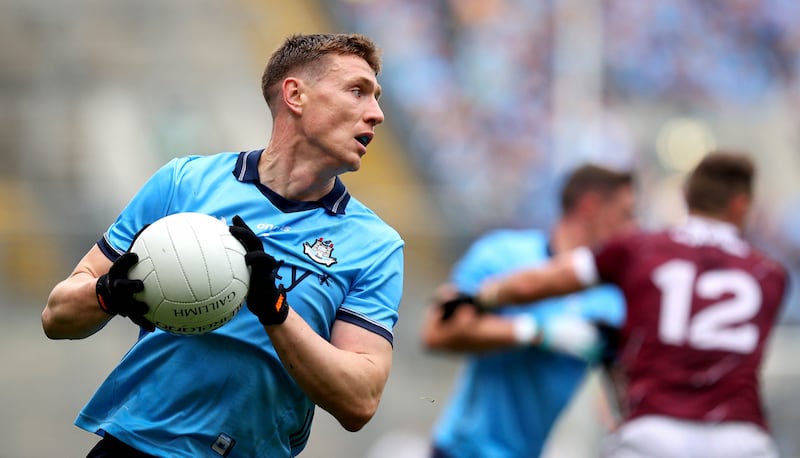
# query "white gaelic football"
(194, 274)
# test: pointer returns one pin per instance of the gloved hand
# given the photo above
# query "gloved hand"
(115, 291)
(572, 335)
(264, 299)
(461, 300)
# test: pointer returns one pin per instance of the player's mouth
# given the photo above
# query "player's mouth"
(364, 139)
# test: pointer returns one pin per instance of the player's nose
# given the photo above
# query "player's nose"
(374, 114)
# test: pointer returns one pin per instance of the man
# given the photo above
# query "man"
(320, 327)
(701, 305)
(513, 387)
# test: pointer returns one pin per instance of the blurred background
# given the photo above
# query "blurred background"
(488, 104)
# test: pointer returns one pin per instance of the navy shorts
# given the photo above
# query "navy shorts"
(111, 447)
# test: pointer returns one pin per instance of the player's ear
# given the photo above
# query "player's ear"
(738, 209)
(588, 204)
(293, 95)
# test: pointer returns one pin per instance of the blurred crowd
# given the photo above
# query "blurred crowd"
(497, 99)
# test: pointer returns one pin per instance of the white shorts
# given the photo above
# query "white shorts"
(664, 437)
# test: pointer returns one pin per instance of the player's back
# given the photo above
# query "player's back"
(701, 304)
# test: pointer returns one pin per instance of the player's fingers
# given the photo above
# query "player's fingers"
(125, 287)
(464, 311)
(247, 238)
(238, 221)
(143, 322)
(123, 264)
(443, 294)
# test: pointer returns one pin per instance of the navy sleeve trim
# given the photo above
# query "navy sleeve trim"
(361, 321)
(108, 250)
(299, 438)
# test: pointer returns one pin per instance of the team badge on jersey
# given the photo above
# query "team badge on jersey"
(223, 444)
(320, 251)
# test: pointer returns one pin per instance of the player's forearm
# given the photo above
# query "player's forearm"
(346, 384)
(557, 278)
(470, 334)
(72, 311)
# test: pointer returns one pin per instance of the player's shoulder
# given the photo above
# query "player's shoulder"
(631, 241)
(512, 237)
(645, 235)
(653, 241)
(766, 263)
(203, 160)
(201, 170)
(200, 164)
(365, 222)
(507, 244)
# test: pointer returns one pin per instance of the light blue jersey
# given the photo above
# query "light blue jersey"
(505, 403)
(226, 393)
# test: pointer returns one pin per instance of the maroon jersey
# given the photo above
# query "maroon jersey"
(701, 303)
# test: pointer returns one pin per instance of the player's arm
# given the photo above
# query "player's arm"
(96, 290)
(345, 376)
(566, 273)
(465, 328)
(72, 311)
(459, 322)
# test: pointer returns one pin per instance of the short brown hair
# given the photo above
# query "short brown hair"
(719, 177)
(305, 52)
(592, 178)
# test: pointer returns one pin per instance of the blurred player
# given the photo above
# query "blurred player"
(701, 305)
(513, 387)
(319, 327)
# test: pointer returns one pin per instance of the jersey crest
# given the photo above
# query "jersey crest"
(320, 251)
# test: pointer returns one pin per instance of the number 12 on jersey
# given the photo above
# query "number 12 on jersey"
(721, 325)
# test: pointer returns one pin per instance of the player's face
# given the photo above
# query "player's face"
(342, 112)
(615, 215)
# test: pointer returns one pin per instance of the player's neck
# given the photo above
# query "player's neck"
(737, 222)
(567, 235)
(292, 179)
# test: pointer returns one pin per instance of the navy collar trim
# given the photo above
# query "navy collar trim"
(246, 170)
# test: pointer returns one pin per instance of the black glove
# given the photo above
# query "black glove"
(264, 299)
(461, 300)
(115, 291)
